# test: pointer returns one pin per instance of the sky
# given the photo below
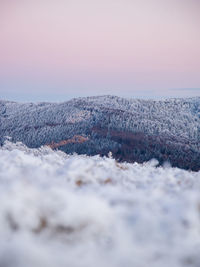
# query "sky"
(54, 50)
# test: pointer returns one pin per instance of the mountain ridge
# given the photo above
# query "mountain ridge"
(132, 129)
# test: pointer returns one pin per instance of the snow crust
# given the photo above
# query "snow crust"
(80, 211)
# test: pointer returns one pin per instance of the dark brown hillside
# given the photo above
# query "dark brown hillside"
(141, 147)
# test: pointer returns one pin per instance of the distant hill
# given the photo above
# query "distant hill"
(133, 130)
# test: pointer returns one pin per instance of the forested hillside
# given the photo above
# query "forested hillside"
(133, 130)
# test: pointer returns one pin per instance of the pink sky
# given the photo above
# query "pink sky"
(65, 48)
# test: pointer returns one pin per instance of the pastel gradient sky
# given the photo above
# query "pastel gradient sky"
(54, 50)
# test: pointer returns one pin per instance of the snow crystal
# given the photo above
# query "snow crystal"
(61, 210)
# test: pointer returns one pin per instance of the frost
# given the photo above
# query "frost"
(61, 210)
(133, 130)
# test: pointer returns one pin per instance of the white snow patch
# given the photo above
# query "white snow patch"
(80, 211)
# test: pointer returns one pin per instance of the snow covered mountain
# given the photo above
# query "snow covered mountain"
(133, 130)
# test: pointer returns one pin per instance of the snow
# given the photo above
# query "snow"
(79, 211)
(32, 122)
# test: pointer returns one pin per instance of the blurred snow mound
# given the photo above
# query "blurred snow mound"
(71, 210)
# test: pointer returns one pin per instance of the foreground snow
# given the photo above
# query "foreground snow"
(59, 210)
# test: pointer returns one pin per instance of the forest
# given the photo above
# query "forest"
(133, 130)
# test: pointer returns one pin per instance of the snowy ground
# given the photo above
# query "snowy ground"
(78, 211)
